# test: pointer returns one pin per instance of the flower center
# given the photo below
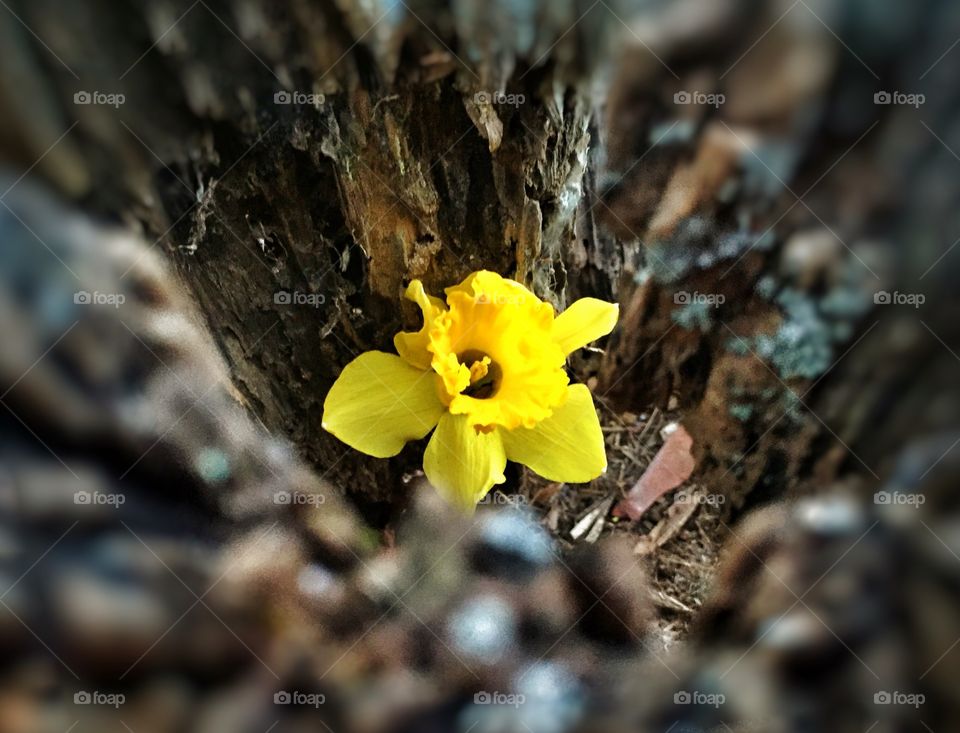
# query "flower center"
(485, 374)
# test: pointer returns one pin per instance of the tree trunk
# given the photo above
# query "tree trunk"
(328, 152)
(423, 141)
(750, 242)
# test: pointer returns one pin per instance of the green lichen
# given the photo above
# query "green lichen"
(765, 241)
(804, 341)
(803, 346)
(674, 133)
(728, 191)
(767, 167)
(667, 262)
(642, 276)
(766, 287)
(695, 315)
(791, 403)
(741, 412)
(812, 327)
(844, 302)
(738, 346)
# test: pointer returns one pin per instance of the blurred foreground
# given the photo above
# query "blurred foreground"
(180, 550)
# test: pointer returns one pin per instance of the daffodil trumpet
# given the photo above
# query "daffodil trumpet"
(486, 374)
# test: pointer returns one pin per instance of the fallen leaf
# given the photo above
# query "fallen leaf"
(672, 465)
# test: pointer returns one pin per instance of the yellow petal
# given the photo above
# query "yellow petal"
(586, 320)
(463, 463)
(466, 285)
(379, 402)
(412, 345)
(492, 317)
(567, 446)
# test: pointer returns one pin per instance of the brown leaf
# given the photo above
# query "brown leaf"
(672, 465)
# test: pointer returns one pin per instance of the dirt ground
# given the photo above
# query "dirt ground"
(677, 542)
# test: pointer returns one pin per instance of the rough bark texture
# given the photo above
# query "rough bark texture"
(402, 171)
(406, 163)
(785, 202)
(402, 162)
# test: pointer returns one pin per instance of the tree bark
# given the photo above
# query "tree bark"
(440, 140)
(394, 159)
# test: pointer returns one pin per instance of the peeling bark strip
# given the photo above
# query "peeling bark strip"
(301, 161)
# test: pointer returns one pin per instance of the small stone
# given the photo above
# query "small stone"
(669, 429)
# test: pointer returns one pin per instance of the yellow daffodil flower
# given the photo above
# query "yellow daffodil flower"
(487, 371)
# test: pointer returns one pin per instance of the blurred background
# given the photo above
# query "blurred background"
(207, 209)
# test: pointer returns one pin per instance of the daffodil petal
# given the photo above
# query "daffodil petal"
(492, 317)
(379, 402)
(412, 345)
(567, 446)
(466, 285)
(462, 463)
(584, 321)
